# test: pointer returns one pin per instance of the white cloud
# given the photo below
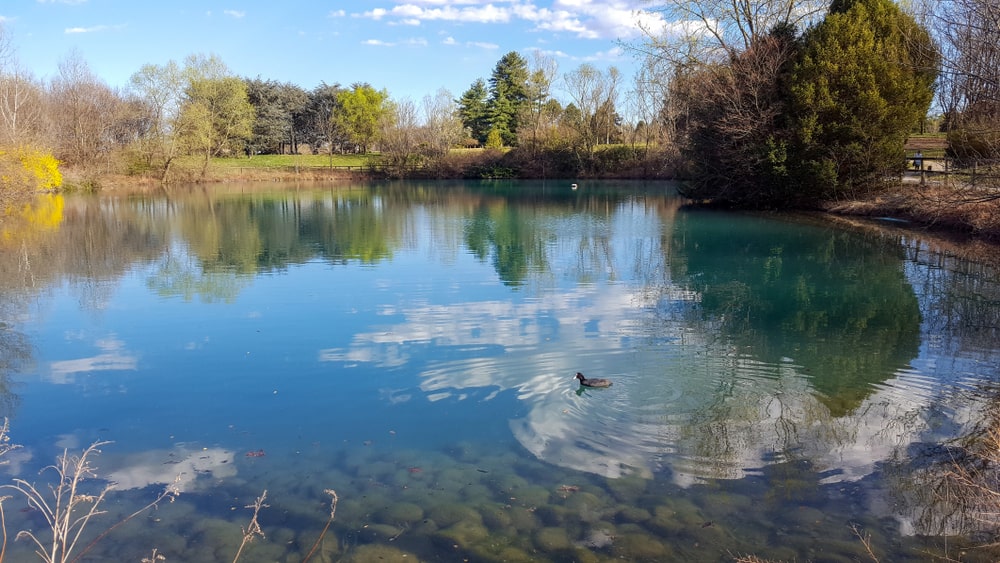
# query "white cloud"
(483, 45)
(480, 44)
(584, 19)
(91, 29)
(554, 53)
(478, 14)
(413, 42)
(336, 14)
(234, 13)
(611, 54)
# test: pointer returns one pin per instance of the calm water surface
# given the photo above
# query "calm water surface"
(781, 385)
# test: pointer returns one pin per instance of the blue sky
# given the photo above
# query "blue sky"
(410, 47)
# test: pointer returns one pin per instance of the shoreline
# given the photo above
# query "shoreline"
(930, 207)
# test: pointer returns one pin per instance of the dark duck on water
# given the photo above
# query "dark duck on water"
(593, 381)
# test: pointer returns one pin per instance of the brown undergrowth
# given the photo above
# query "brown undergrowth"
(935, 205)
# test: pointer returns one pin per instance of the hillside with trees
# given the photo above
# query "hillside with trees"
(173, 120)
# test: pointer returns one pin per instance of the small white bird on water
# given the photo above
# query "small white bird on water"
(573, 186)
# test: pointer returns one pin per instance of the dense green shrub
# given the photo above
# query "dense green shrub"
(863, 79)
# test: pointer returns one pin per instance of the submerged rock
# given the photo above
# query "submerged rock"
(496, 518)
(632, 514)
(596, 539)
(401, 513)
(523, 519)
(463, 534)
(449, 514)
(380, 553)
(588, 507)
(551, 540)
(641, 547)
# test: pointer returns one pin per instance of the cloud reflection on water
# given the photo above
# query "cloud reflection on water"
(657, 417)
(183, 466)
(113, 357)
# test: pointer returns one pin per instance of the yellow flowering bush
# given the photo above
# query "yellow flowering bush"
(43, 167)
(23, 172)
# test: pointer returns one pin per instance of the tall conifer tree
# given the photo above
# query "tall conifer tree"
(508, 93)
(474, 112)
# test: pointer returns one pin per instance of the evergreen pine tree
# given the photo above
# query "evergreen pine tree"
(473, 110)
(508, 93)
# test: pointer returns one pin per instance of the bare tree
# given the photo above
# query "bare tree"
(20, 98)
(594, 93)
(968, 32)
(442, 128)
(730, 121)
(6, 49)
(83, 112)
(608, 115)
(690, 36)
(714, 30)
(400, 136)
(535, 118)
(645, 103)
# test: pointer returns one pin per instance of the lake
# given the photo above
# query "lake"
(784, 386)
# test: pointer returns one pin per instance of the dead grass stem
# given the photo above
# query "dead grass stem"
(333, 512)
(253, 528)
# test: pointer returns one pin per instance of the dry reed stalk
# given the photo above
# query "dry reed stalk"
(5, 446)
(753, 559)
(866, 541)
(3, 528)
(253, 528)
(66, 513)
(333, 511)
(170, 492)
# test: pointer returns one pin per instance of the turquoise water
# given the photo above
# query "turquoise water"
(781, 385)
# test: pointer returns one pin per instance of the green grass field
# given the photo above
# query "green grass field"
(284, 161)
